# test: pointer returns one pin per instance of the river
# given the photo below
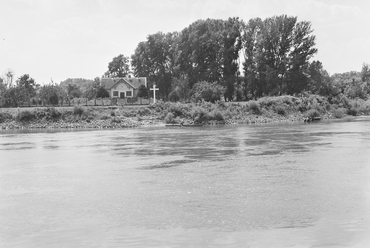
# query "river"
(271, 185)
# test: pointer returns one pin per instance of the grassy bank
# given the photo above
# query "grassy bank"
(266, 109)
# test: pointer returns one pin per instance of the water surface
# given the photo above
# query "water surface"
(276, 185)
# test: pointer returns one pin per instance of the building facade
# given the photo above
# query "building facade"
(123, 87)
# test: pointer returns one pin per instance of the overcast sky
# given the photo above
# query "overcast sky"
(60, 39)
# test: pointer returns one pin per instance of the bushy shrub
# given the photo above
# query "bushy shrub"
(170, 118)
(302, 107)
(312, 113)
(339, 112)
(143, 112)
(115, 120)
(288, 100)
(5, 116)
(178, 109)
(206, 91)
(216, 115)
(105, 117)
(280, 109)
(199, 115)
(142, 92)
(77, 110)
(53, 112)
(255, 107)
(88, 115)
(352, 110)
(227, 114)
(174, 96)
(25, 116)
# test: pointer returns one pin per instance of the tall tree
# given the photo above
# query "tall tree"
(365, 73)
(8, 79)
(28, 86)
(319, 81)
(154, 59)
(276, 54)
(118, 67)
(208, 51)
(48, 94)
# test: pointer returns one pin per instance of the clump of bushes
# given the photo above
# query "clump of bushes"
(178, 109)
(199, 115)
(339, 112)
(53, 112)
(170, 118)
(216, 115)
(77, 110)
(115, 120)
(255, 107)
(312, 113)
(144, 111)
(352, 110)
(5, 116)
(280, 109)
(105, 117)
(174, 96)
(206, 91)
(25, 116)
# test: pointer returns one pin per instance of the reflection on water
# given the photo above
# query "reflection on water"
(229, 186)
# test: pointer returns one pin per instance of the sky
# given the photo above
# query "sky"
(52, 40)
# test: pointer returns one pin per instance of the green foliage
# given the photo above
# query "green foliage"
(255, 107)
(277, 50)
(199, 115)
(312, 113)
(154, 59)
(25, 116)
(53, 112)
(174, 96)
(216, 115)
(52, 94)
(4, 116)
(209, 92)
(101, 92)
(181, 87)
(353, 110)
(28, 85)
(280, 109)
(170, 118)
(365, 73)
(144, 112)
(77, 110)
(142, 92)
(208, 51)
(339, 112)
(14, 96)
(118, 67)
(319, 81)
(178, 109)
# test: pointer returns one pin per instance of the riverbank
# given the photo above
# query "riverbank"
(264, 110)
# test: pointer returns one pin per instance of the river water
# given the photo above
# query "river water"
(272, 185)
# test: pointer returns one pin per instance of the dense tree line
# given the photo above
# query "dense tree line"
(210, 59)
(249, 60)
(25, 91)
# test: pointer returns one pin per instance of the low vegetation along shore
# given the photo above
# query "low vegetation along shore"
(264, 110)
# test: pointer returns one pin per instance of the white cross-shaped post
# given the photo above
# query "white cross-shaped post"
(154, 89)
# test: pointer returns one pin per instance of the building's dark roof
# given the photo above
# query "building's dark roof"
(135, 83)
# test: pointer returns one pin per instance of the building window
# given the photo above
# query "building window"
(115, 93)
(129, 93)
